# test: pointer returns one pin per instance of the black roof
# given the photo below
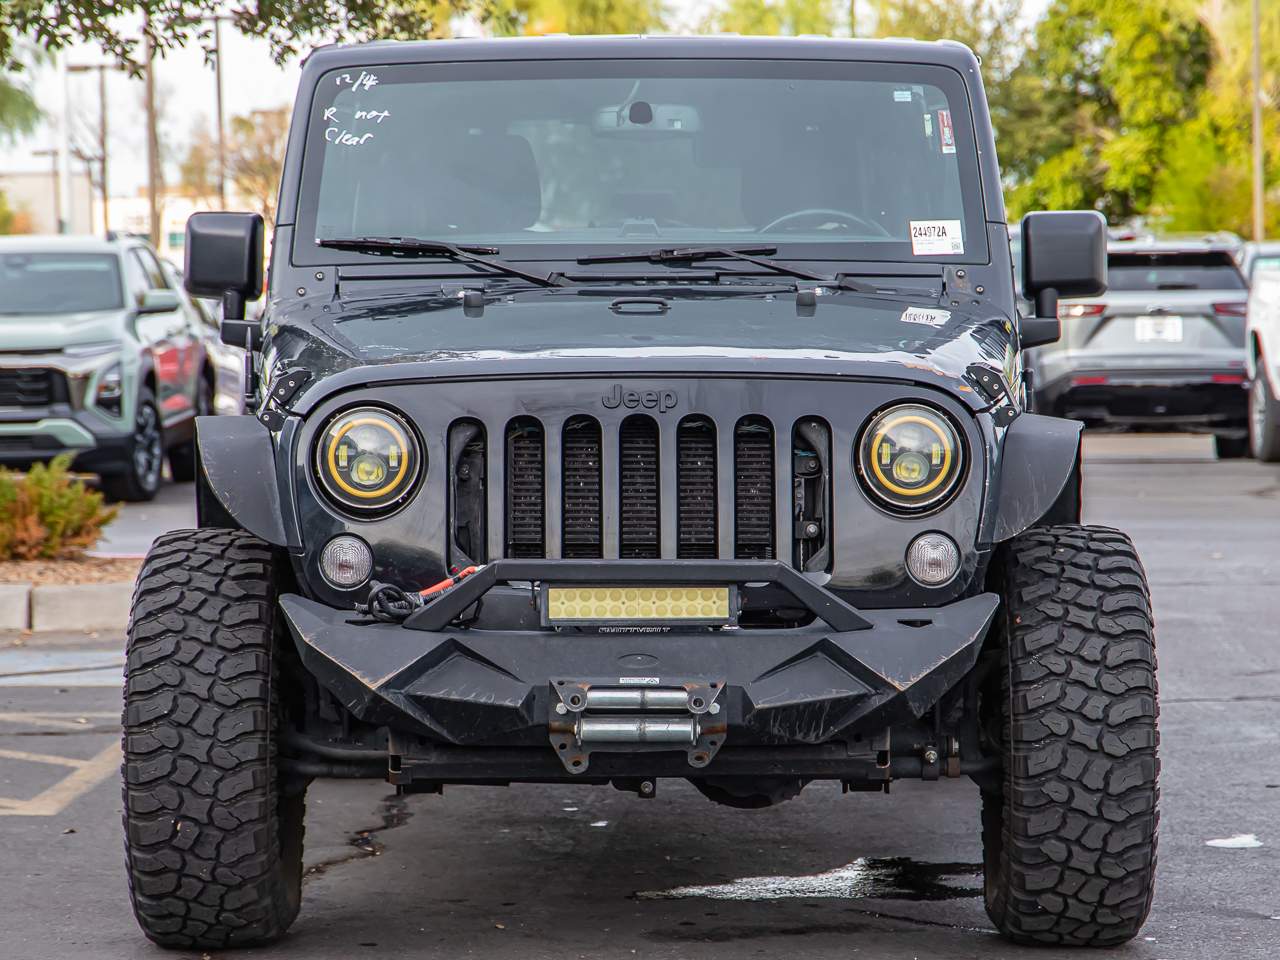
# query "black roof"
(943, 52)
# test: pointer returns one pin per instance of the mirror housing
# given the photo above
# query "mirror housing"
(224, 261)
(1064, 254)
(159, 301)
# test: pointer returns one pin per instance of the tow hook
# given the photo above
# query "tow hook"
(625, 716)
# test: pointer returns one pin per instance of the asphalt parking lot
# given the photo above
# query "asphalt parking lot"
(532, 872)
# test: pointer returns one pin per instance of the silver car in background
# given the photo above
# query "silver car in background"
(1163, 349)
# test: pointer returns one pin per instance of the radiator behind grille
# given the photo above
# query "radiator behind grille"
(638, 534)
(526, 490)
(582, 478)
(753, 490)
(696, 490)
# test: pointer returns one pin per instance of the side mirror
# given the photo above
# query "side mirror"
(1064, 254)
(224, 261)
(159, 301)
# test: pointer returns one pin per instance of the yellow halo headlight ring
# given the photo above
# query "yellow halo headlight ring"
(368, 459)
(910, 457)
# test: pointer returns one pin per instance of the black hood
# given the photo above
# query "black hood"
(408, 334)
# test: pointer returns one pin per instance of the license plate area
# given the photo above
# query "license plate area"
(1158, 328)
(638, 605)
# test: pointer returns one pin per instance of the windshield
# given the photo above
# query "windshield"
(563, 159)
(1173, 271)
(59, 283)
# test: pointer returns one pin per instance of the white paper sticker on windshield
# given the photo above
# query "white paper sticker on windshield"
(933, 237)
(902, 96)
(925, 315)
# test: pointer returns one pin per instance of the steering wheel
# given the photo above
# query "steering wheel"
(815, 213)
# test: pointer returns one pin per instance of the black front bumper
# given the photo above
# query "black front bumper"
(467, 704)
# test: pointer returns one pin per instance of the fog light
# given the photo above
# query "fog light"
(346, 562)
(933, 559)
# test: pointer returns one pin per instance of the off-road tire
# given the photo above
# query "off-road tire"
(1069, 842)
(1230, 448)
(213, 839)
(1264, 418)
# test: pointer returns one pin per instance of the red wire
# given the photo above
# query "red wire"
(447, 582)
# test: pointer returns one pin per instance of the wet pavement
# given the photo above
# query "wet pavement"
(588, 872)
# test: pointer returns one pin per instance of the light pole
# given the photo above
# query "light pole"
(222, 136)
(153, 141)
(102, 69)
(1259, 210)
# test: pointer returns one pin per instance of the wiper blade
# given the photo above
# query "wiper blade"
(416, 247)
(756, 255)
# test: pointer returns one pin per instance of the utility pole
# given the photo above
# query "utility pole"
(153, 141)
(1259, 181)
(222, 134)
(102, 69)
(63, 160)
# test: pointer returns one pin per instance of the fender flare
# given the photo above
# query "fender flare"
(1039, 477)
(236, 484)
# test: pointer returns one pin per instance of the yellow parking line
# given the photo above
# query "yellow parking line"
(51, 802)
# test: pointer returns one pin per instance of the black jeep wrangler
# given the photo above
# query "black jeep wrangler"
(637, 408)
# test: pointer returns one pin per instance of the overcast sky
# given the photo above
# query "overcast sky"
(185, 84)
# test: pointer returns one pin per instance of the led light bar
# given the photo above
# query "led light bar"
(578, 606)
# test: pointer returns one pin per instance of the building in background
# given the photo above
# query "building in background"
(32, 195)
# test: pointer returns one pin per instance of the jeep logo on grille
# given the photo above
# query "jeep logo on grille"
(660, 400)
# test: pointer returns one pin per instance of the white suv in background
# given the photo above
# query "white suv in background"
(1262, 333)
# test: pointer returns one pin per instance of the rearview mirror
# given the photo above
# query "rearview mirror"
(159, 301)
(1064, 254)
(224, 261)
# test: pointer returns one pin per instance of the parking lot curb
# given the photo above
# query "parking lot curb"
(87, 606)
(15, 606)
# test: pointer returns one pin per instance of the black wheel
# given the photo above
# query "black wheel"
(1230, 448)
(1264, 419)
(140, 478)
(1069, 841)
(213, 832)
(182, 458)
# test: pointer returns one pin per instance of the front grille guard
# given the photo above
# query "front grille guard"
(819, 601)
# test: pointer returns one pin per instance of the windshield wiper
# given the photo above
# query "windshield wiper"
(415, 247)
(756, 255)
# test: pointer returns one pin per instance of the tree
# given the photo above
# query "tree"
(18, 111)
(1103, 85)
(539, 17)
(290, 26)
(255, 153)
(776, 17)
(198, 170)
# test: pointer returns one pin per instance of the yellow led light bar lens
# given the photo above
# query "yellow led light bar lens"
(637, 604)
(367, 459)
(910, 457)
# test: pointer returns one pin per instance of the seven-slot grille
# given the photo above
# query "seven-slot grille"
(30, 387)
(589, 467)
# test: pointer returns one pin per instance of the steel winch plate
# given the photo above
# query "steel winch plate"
(635, 715)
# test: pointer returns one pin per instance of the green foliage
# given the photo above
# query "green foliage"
(774, 17)
(1110, 80)
(537, 17)
(18, 110)
(47, 513)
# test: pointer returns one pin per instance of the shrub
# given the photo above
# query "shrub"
(48, 513)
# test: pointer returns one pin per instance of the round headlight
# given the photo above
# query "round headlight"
(367, 459)
(910, 457)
